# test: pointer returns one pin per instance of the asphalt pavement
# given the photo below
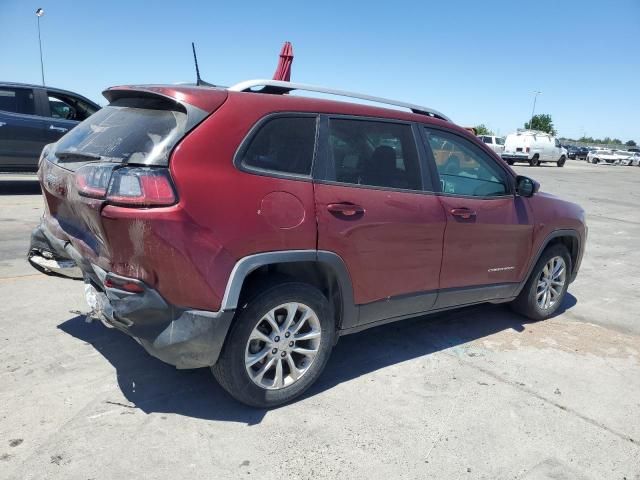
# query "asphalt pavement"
(479, 393)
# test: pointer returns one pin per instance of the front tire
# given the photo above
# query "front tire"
(547, 285)
(278, 345)
(562, 161)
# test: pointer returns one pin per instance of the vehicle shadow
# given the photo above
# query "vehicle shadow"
(28, 185)
(155, 387)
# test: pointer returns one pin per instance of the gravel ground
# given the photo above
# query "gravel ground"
(479, 393)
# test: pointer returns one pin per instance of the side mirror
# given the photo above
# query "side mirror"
(526, 187)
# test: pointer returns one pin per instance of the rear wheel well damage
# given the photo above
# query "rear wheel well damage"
(326, 272)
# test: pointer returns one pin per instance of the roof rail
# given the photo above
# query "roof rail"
(535, 132)
(280, 87)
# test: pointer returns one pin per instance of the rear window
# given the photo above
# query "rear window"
(17, 100)
(128, 130)
(486, 139)
(283, 145)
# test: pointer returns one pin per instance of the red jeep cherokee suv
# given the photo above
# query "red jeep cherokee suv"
(246, 229)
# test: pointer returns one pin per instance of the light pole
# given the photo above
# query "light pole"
(39, 13)
(535, 97)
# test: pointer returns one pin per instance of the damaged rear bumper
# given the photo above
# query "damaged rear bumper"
(182, 337)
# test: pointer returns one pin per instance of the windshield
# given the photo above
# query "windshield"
(129, 130)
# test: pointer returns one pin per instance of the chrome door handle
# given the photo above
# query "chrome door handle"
(345, 209)
(59, 129)
(464, 213)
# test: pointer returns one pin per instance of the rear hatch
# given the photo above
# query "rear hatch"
(119, 156)
(515, 144)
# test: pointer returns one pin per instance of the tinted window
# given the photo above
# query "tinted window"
(283, 144)
(373, 153)
(69, 107)
(486, 139)
(500, 141)
(463, 168)
(60, 109)
(17, 100)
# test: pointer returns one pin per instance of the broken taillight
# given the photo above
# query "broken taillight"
(123, 284)
(126, 186)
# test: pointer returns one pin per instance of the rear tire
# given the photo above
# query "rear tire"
(532, 302)
(510, 162)
(534, 162)
(286, 373)
(562, 161)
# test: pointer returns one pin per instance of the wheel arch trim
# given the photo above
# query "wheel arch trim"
(248, 264)
(566, 232)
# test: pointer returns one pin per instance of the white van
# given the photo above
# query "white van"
(533, 147)
(494, 143)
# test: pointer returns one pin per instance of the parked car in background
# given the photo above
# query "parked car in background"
(581, 153)
(32, 116)
(627, 158)
(247, 231)
(494, 143)
(533, 147)
(603, 155)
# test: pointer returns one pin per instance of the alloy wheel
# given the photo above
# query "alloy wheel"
(283, 345)
(551, 283)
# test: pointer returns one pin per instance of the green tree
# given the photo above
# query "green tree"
(616, 141)
(541, 122)
(482, 129)
(630, 143)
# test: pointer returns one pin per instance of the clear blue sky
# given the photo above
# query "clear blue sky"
(476, 61)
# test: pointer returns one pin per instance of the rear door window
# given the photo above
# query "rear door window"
(282, 145)
(69, 107)
(17, 100)
(373, 153)
(464, 169)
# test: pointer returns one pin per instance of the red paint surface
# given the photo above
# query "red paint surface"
(395, 247)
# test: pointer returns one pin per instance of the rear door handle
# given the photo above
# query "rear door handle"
(345, 209)
(465, 213)
(59, 129)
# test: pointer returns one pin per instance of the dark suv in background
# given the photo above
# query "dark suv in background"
(32, 116)
(246, 230)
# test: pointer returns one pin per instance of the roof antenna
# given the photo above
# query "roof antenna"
(195, 59)
(199, 80)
